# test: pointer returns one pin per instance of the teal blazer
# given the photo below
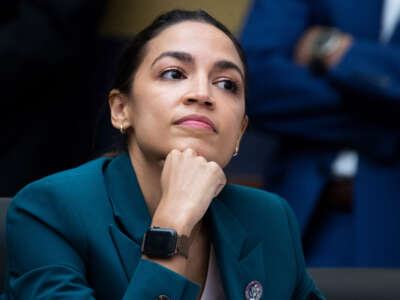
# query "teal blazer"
(77, 235)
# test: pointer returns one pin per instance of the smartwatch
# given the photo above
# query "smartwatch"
(164, 243)
(325, 44)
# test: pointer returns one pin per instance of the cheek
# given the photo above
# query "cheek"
(148, 110)
(230, 136)
(234, 122)
(150, 123)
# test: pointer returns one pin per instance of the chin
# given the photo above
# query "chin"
(208, 151)
(209, 155)
(203, 150)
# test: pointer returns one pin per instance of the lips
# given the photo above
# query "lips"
(196, 121)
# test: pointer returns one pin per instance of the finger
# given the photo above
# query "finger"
(168, 160)
(216, 168)
(201, 159)
(190, 152)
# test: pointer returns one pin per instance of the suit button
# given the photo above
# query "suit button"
(162, 297)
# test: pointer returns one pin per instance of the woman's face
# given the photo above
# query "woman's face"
(188, 92)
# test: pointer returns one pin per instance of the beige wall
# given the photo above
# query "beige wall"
(126, 17)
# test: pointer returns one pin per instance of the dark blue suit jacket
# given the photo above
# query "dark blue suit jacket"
(77, 235)
(356, 105)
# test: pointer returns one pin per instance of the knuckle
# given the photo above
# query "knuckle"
(224, 180)
(201, 159)
(189, 151)
(174, 152)
(213, 166)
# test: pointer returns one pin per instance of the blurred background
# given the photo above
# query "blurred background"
(127, 17)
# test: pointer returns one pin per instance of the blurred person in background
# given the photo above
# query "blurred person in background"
(45, 47)
(325, 80)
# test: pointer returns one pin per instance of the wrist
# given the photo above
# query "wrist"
(327, 50)
(167, 216)
(180, 225)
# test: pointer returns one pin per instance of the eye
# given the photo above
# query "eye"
(228, 85)
(172, 74)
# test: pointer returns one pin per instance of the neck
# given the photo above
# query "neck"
(148, 174)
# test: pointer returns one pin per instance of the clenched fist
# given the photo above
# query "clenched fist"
(189, 183)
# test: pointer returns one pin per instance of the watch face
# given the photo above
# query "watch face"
(160, 242)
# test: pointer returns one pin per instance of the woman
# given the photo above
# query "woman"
(159, 222)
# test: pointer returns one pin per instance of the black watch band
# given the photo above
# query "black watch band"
(182, 246)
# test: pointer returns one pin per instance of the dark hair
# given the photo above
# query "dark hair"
(133, 54)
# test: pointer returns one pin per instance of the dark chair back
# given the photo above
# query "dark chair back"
(357, 283)
(4, 202)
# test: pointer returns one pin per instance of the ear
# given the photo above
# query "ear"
(119, 109)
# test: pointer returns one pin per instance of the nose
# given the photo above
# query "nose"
(199, 93)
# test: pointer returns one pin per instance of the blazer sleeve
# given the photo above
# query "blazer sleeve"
(371, 70)
(48, 248)
(305, 288)
(288, 99)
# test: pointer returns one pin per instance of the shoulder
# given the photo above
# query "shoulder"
(62, 192)
(74, 180)
(60, 203)
(87, 172)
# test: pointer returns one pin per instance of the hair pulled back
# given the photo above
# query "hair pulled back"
(133, 54)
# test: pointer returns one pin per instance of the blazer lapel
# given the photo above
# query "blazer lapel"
(238, 266)
(130, 211)
(129, 252)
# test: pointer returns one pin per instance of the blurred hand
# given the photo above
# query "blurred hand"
(188, 183)
(303, 49)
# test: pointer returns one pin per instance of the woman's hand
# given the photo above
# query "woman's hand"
(188, 183)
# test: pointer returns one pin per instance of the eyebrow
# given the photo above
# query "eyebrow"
(188, 58)
(226, 65)
(182, 56)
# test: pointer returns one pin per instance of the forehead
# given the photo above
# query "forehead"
(201, 40)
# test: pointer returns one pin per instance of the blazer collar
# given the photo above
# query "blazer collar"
(239, 263)
(125, 195)
(130, 210)
(225, 227)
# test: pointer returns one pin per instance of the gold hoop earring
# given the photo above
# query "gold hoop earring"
(236, 151)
